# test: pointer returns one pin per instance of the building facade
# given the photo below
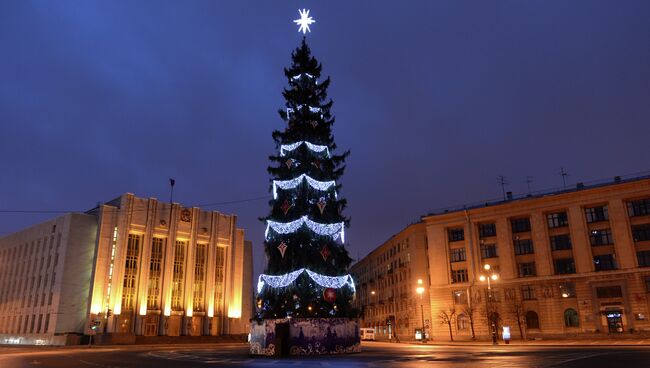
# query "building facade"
(45, 280)
(387, 280)
(572, 263)
(136, 267)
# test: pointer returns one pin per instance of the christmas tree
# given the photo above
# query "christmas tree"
(306, 274)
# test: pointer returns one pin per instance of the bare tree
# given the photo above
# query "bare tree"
(517, 310)
(447, 317)
(469, 311)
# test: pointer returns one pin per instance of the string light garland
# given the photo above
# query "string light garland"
(312, 109)
(333, 230)
(291, 184)
(314, 147)
(296, 77)
(279, 281)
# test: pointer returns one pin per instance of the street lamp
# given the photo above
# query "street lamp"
(483, 278)
(420, 290)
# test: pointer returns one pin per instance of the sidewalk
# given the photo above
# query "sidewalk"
(539, 342)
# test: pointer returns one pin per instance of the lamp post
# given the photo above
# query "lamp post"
(483, 278)
(420, 290)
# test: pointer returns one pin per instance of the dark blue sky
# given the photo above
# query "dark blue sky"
(434, 99)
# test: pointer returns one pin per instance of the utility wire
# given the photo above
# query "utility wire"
(143, 208)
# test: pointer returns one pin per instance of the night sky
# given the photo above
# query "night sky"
(435, 99)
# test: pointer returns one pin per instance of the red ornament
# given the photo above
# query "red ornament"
(321, 205)
(329, 295)
(325, 252)
(286, 206)
(282, 248)
(316, 164)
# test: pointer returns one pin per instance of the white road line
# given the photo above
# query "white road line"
(577, 358)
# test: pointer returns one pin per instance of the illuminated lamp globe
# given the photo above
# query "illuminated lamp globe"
(482, 278)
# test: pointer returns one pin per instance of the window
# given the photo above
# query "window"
(520, 225)
(526, 269)
(639, 208)
(523, 246)
(219, 282)
(564, 266)
(177, 275)
(460, 297)
(643, 257)
(532, 320)
(558, 219)
(641, 232)
(571, 318)
(487, 230)
(606, 292)
(596, 214)
(568, 290)
(155, 272)
(130, 272)
(527, 292)
(488, 251)
(458, 276)
(456, 234)
(605, 262)
(560, 242)
(199, 277)
(457, 255)
(647, 284)
(601, 237)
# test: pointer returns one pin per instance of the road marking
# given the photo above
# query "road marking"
(580, 357)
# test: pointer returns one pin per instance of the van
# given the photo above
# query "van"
(367, 333)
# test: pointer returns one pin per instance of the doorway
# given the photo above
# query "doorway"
(614, 322)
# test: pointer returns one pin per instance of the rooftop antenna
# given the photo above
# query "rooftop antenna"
(502, 181)
(564, 174)
(529, 180)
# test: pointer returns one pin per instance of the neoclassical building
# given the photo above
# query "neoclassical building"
(570, 263)
(130, 267)
(387, 280)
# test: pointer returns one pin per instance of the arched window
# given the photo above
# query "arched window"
(532, 320)
(461, 322)
(571, 318)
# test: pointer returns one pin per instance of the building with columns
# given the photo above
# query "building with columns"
(564, 264)
(387, 279)
(131, 267)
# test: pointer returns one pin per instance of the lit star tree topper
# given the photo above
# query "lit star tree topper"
(304, 21)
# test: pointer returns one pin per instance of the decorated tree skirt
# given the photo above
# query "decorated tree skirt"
(304, 336)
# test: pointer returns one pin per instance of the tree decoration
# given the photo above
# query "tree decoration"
(325, 252)
(333, 230)
(316, 164)
(329, 295)
(321, 204)
(281, 281)
(293, 183)
(286, 206)
(289, 163)
(313, 147)
(282, 248)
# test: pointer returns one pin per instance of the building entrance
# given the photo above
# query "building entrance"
(614, 322)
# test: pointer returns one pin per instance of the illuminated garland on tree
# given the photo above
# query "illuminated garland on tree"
(311, 109)
(332, 230)
(311, 146)
(290, 184)
(296, 77)
(279, 281)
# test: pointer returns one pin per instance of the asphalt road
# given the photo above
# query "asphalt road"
(375, 354)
